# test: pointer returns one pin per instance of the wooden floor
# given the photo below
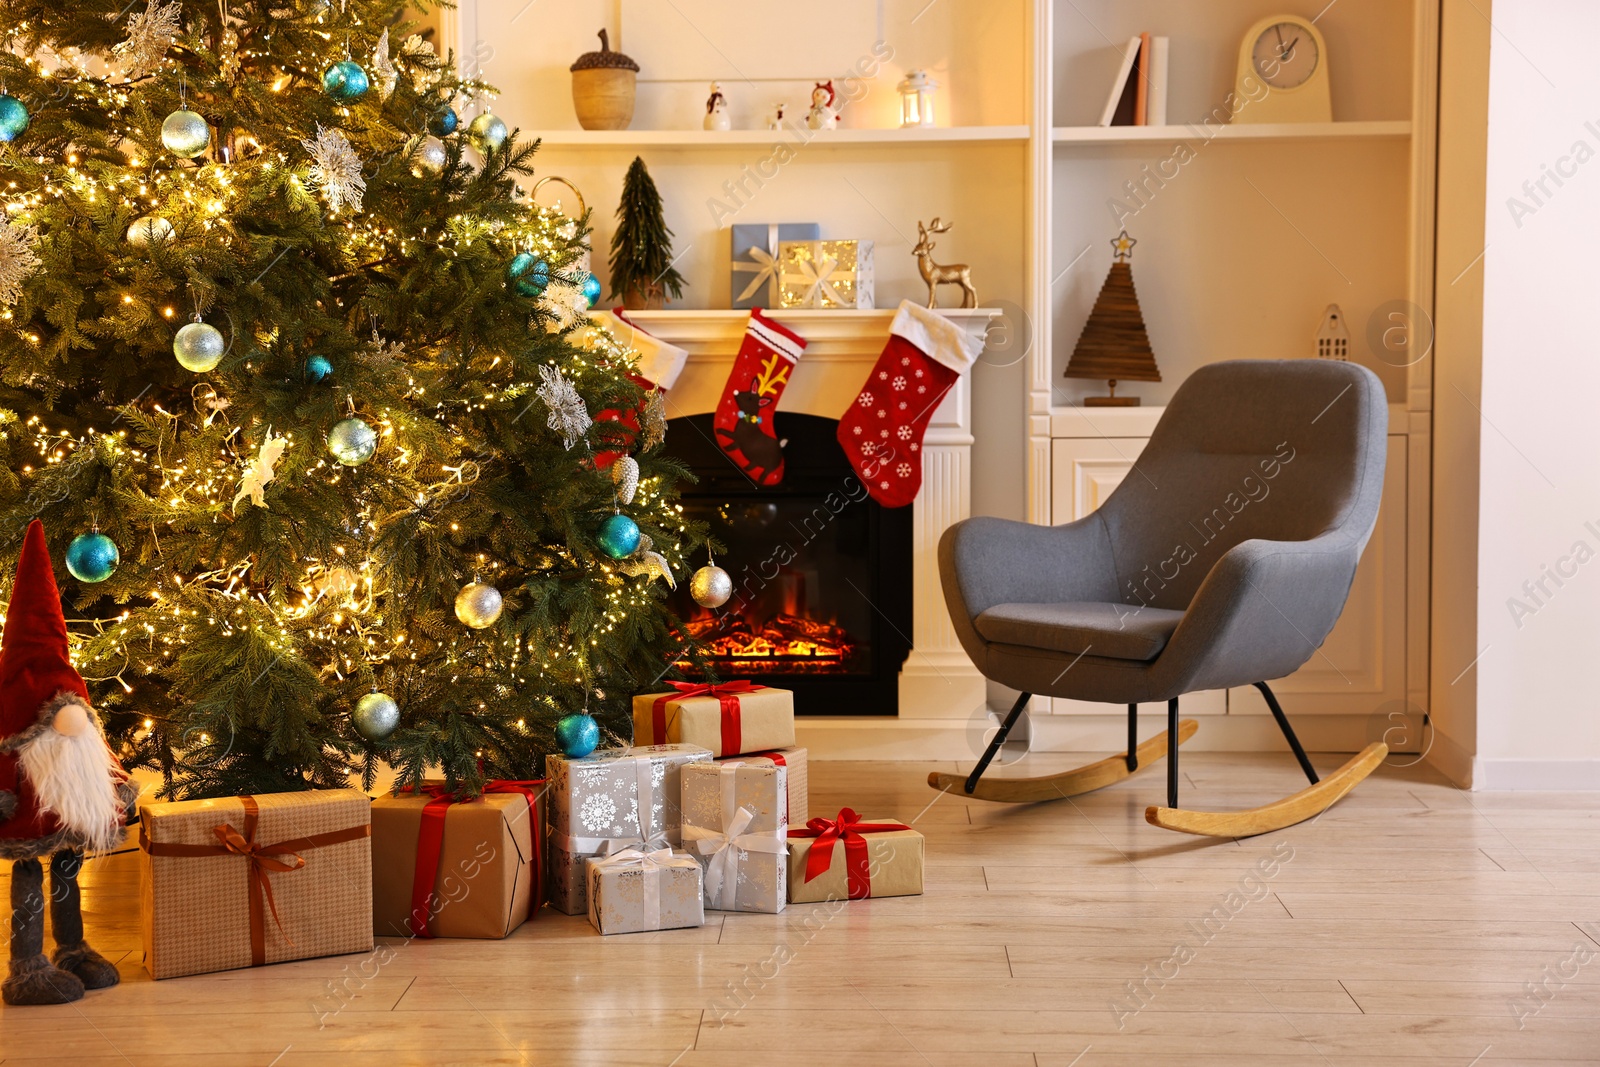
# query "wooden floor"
(1412, 924)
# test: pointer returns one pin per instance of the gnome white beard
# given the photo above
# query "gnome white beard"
(75, 779)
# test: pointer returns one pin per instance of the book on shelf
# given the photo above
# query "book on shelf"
(1139, 92)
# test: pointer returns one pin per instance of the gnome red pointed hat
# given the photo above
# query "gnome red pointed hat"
(34, 665)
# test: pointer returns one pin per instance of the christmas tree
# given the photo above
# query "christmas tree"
(299, 382)
(641, 248)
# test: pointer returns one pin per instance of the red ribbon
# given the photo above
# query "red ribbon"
(430, 844)
(848, 827)
(727, 694)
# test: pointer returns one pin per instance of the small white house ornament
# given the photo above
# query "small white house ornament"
(1333, 340)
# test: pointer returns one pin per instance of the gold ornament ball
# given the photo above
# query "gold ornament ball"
(199, 347)
(147, 230)
(430, 156)
(478, 605)
(711, 587)
(185, 134)
(487, 133)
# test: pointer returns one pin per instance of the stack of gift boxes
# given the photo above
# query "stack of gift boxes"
(707, 812)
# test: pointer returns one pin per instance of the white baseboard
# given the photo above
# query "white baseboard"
(1534, 775)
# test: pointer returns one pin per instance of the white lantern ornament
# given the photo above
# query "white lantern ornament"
(916, 99)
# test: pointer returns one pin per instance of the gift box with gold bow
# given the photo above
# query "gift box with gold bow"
(825, 274)
(729, 718)
(850, 858)
(246, 881)
(755, 259)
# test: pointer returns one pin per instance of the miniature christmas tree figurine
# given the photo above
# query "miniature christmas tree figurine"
(641, 250)
(1114, 345)
(301, 391)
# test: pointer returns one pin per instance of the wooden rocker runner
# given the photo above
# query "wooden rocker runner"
(1223, 558)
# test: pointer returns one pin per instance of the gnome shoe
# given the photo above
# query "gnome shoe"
(36, 981)
(93, 969)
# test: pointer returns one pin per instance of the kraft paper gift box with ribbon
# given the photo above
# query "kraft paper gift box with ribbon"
(730, 718)
(793, 761)
(246, 881)
(608, 801)
(848, 858)
(735, 822)
(755, 259)
(451, 866)
(634, 890)
(825, 274)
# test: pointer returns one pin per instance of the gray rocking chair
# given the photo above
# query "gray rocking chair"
(1223, 559)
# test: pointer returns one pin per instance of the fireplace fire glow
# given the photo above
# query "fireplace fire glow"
(784, 642)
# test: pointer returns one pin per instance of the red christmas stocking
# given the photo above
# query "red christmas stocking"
(743, 422)
(882, 432)
(658, 368)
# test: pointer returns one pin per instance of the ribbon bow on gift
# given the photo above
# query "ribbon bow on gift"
(430, 843)
(817, 276)
(763, 264)
(727, 694)
(651, 865)
(721, 848)
(848, 828)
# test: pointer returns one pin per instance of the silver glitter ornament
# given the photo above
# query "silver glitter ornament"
(430, 156)
(147, 230)
(199, 347)
(711, 586)
(479, 605)
(185, 134)
(376, 716)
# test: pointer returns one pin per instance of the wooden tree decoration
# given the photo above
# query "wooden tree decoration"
(1113, 344)
(641, 249)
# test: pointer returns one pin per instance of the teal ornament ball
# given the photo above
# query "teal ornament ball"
(352, 441)
(591, 289)
(13, 118)
(578, 735)
(487, 133)
(185, 134)
(92, 557)
(528, 274)
(318, 368)
(345, 81)
(199, 347)
(618, 537)
(443, 123)
(376, 716)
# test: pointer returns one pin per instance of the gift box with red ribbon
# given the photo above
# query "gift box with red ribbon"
(445, 865)
(247, 881)
(850, 859)
(729, 718)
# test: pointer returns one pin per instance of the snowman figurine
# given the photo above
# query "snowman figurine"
(823, 115)
(717, 109)
(776, 121)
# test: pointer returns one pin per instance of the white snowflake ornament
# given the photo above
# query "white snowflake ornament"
(336, 169)
(569, 417)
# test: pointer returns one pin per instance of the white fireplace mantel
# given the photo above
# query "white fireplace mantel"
(940, 690)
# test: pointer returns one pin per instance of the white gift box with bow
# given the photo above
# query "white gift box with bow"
(735, 821)
(635, 890)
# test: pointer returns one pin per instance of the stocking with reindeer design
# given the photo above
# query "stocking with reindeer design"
(743, 421)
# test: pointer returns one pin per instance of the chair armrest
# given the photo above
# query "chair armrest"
(1263, 611)
(988, 561)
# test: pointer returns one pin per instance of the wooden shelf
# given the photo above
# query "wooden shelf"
(795, 138)
(1066, 136)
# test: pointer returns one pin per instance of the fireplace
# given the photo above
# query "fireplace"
(822, 574)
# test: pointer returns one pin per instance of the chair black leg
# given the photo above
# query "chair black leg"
(1172, 753)
(1132, 758)
(1288, 732)
(999, 739)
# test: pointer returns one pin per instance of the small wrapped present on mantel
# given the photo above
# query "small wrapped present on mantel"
(793, 761)
(826, 274)
(729, 718)
(634, 890)
(848, 859)
(246, 881)
(450, 866)
(610, 800)
(754, 259)
(735, 822)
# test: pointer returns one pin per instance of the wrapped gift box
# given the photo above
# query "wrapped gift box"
(755, 259)
(443, 867)
(730, 718)
(205, 905)
(825, 274)
(736, 823)
(632, 891)
(851, 858)
(793, 760)
(607, 801)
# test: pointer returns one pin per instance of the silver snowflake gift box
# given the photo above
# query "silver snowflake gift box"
(608, 801)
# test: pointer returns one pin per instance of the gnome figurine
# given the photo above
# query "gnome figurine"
(62, 791)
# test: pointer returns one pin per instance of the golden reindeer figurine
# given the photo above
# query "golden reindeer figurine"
(935, 274)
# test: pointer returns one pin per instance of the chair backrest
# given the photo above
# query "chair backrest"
(1284, 450)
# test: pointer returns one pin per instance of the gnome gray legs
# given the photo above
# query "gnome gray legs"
(66, 923)
(33, 979)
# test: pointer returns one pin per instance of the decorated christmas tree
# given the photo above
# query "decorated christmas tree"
(299, 381)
